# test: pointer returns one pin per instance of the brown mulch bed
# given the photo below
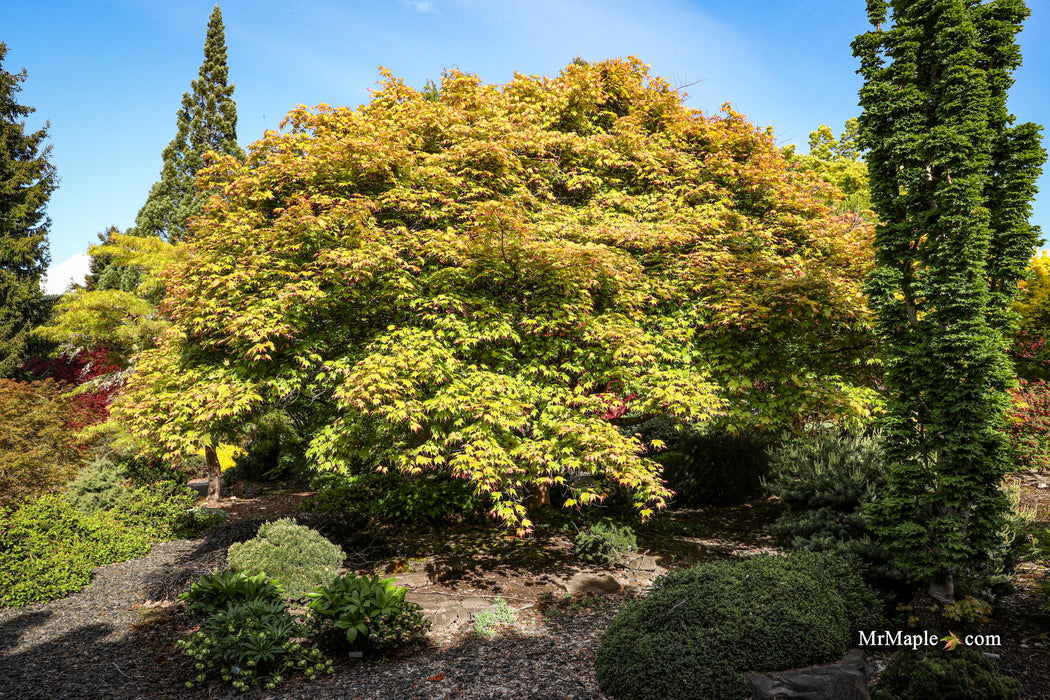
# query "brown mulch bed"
(115, 639)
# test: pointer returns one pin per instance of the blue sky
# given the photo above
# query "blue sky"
(109, 74)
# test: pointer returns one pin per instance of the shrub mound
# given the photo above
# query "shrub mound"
(48, 546)
(605, 543)
(699, 629)
(298, 558)
(98, 486)
(936, 674)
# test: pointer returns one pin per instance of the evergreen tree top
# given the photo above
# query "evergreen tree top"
(206, 121)
(27, 180)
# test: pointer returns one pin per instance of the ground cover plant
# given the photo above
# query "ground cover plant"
(486, 284)
(48, 546)
(251, 643)
(366, 612)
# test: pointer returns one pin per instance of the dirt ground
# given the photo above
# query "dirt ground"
(476, 557)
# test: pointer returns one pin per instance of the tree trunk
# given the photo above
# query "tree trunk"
(539, 496)
(211, 459)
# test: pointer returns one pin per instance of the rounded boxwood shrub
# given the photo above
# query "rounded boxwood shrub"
(931, 673)
(298, 558)
(700, 629)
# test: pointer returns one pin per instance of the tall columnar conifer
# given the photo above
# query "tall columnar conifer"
(952, 180)
(27, 180)
(207, 121)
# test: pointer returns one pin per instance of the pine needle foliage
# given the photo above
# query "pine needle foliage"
(207, 121)
(27, 180)
(952, 179)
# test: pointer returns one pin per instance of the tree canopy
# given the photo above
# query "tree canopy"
(27, 180)
(495, 283)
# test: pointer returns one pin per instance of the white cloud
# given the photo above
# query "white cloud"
(424, 6)
(60, 276)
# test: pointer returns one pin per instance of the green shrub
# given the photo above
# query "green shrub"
(716, 467)
(605, 543)
(393, 497)
(275, 449)
(935, 674)
(298, 558)
(485, 621)
(368, 612)
(98, 486)
(699, 629)
(163, 510)
(48, 548)
(826, 481)
(252, 643)
(214, 592)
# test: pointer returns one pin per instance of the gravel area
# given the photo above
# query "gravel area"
(115, 639)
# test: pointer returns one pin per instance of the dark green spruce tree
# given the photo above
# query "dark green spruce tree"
(27, 180)
(952, 181)
(207, 121)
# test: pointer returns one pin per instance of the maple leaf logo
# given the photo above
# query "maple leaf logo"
(951, 641)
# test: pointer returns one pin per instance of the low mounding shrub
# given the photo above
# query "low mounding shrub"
(98, 486)
(935, 674)
(393, 497)
(162, 511)
(214, 592)
(826, 481)
(253, 643)
(298, 558)
(367, 612)
(605, 543)
(716, 468)
(48, 548)
(700, 629)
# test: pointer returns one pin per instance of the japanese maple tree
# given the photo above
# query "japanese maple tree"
(492, 284)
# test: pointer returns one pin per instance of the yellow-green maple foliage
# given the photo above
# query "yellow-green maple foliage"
(485, 284)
